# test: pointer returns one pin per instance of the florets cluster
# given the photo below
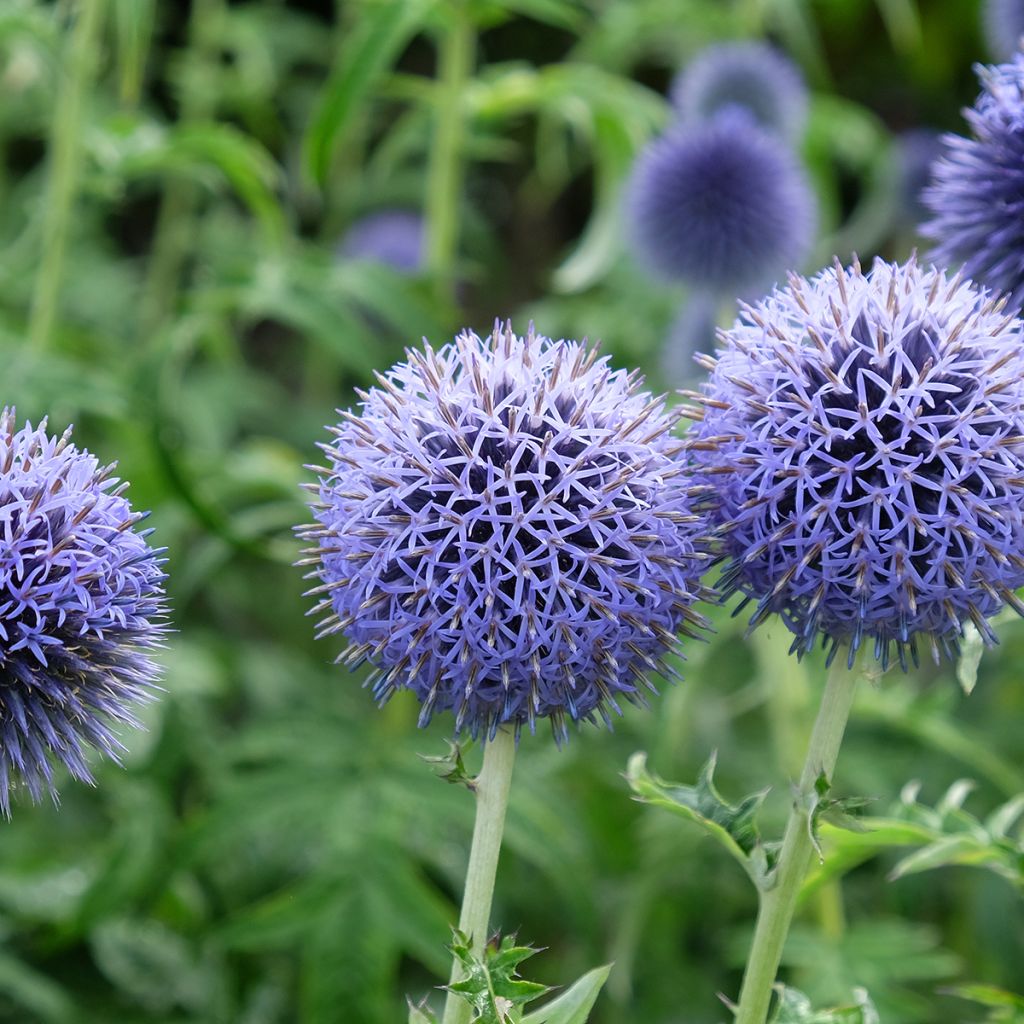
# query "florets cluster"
(865, 434)
(977, 190)
(749, 75)
(723, 205)
(506, 529)
(81, 607)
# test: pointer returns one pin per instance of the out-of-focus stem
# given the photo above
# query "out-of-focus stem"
(62, 179)
(444, 183)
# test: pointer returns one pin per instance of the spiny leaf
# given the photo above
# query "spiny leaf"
(734, 826)
(795, 1008)
(839, 813)
(451, 767)
(492, 985)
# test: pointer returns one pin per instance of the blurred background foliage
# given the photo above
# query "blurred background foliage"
(176, 184)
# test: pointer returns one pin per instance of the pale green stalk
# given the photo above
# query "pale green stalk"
(456, 54)
(492, 786)
(65, 151)
(779, 901)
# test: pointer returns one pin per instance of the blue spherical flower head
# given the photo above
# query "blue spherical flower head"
(724, 206)
(506, 530)
(749, 75)
(977, 190)
(1003, 22)
(865, 438)
(81, 608)
(392, 237)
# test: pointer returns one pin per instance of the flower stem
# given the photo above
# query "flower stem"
(65, 158)
(444, 183)
(492, 786)
(779, 901)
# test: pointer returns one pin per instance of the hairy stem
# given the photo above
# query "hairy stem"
(444, 183)
(779, 901)
(62, 178)
(492, 786)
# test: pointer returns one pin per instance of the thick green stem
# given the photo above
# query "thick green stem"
(62, 179)
(779, 901)
(492, 786)
(444, 183)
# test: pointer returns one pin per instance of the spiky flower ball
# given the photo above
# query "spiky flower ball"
(977, 191)
(505, 529)
(865, 436)
(81, 607)
(1003, 22)
(722, 205)
(750, 75)
(392, 237)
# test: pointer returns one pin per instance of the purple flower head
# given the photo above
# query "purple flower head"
(722, 205)
(977, 190)
(865, 436)
(1003, 22)
(392, 237)
(81, 607)
(505, 529)
(750, 75)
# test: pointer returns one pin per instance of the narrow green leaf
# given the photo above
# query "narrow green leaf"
(381, 31)
(574, 1005)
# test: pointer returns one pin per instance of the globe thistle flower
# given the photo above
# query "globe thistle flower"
(916, 153)
(507, 530)
(1003, 22)
(724, 205)
(977, 190)
(750, 75)
(392, 237)
(81, 607)
(865, 435)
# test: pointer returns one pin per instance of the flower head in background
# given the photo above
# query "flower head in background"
(977, 191)
(916, 153)
(723, 206)
(392, 237)
(506, 529)
(81, 608)
(1003, 22)
(750, 75)
(865, 434)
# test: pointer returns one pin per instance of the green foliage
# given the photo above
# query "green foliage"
(274, 850)
(1004, 1007)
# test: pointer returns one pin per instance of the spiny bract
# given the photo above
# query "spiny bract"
(749, 75)
(722, 205)
(977, 191)
(506, 530)
(866, 437)
(81, 605)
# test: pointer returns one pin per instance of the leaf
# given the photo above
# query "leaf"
(574, 1005)
(492, 985)
(731, 825)
(421, 1014)
(795, 1008)
(451, 767)
(379, 34)
(1006, 1007)
(838, 813)
(28, 989)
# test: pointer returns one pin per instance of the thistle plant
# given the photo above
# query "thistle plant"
(507, 529)
(752, 76)
(865, 436)
(975, 194)
(81, 609)
(392, 237)
(723, 205)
